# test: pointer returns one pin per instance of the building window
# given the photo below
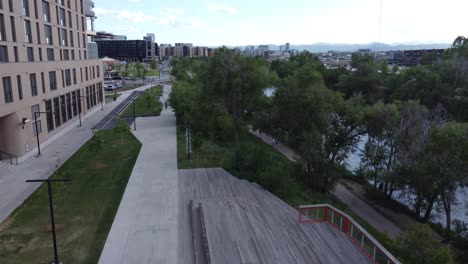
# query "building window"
(74, 104)
(57, 112)
(25, 6)
(73, 54)
(46, 11)
(53, 80)
(81, 73)
(85, 56)
(86, 73)
(79, 99)
(63, 79)
(49, 115)
(62, 17)
(27, 32)
(94, 72)
(13, 28)
(67, 77)
(64, 37)
(2, 29)
(7, 91)
(63, 109)
(20, 87)
(38, 34)
(33, 81)
(40, 54)
(71, 39)
(43, 83)
(3, 54)
(35, 9)
(98, 70)
(15, 51)
(36, 123)
(30, 53)
(74, 76)
(70, 20)
(66, 54)
(82, 24)
(50, 54)
(10, 5)
(48, 35)
(69, 107)
(88, 105)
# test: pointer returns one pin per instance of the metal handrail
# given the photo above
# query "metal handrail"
(348, 225)
(11, 157)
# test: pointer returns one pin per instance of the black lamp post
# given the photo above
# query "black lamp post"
(134, 116)
(37, 131)
(51, 207)
(81, 107)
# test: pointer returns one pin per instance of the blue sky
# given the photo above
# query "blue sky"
(244, 22)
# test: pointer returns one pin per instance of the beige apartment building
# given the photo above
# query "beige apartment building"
(48, 64)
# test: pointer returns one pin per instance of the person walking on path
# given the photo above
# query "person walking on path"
(165, 104)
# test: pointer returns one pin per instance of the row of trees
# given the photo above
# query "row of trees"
(411, 120)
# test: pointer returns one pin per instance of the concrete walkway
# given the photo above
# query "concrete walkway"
(366, 212)
(13, 187)
(145, 229)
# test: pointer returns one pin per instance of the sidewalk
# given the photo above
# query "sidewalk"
(13, 187)
(145, 228)
(366, 212)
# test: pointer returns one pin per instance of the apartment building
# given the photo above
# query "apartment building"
(46, 65)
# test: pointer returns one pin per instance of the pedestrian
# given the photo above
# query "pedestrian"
(165, 104)
(276, 142)
(260, 132)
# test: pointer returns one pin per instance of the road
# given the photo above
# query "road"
(109, 121)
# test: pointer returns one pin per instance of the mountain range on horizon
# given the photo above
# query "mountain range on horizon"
(344, 47)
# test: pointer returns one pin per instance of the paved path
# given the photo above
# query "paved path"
(13, 187)
(366, 212)
(109, 121)
(145, 229)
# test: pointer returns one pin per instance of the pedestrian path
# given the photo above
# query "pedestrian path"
(366, 212)
(145, 226)
(13, 187)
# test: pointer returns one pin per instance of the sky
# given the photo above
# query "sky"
(255, 22)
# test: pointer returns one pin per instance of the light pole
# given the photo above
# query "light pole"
(37, 131)
(134, 116)
(81, 107)
(51, 208)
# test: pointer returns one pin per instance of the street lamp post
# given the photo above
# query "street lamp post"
(51, 208)
(81, 108)
(37, 131)
(134, 116)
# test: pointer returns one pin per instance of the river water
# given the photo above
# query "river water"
(459, 211)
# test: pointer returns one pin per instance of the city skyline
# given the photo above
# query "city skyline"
(216, 23)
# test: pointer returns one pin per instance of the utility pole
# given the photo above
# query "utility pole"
(51, 208)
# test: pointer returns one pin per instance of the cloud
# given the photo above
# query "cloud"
(222, 8)
(167, 17)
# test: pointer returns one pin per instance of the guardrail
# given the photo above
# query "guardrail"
(368, 244)
(9, 156)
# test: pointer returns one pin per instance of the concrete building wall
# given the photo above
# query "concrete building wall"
(73, 64)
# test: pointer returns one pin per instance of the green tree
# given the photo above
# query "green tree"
(417, 246)
(121, 127)
(154, 64)
(97, 143)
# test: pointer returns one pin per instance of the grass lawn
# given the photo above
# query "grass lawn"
(141, 103)
(211, 154)
(84, 208)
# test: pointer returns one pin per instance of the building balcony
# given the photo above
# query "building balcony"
(88, 7)
(92, 50)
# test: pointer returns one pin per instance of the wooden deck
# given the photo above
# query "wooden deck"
(226, 220)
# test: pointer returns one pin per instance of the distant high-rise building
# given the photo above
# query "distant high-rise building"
(151, 48)
(287, 46)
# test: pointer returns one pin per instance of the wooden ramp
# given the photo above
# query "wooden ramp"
(226, 220)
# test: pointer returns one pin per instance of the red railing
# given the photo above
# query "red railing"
(369, 245)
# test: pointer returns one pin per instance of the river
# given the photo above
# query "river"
(459, 211)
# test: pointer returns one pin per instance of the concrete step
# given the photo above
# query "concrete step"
(5, 165)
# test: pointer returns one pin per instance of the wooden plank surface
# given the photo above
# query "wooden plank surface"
(243, 223)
